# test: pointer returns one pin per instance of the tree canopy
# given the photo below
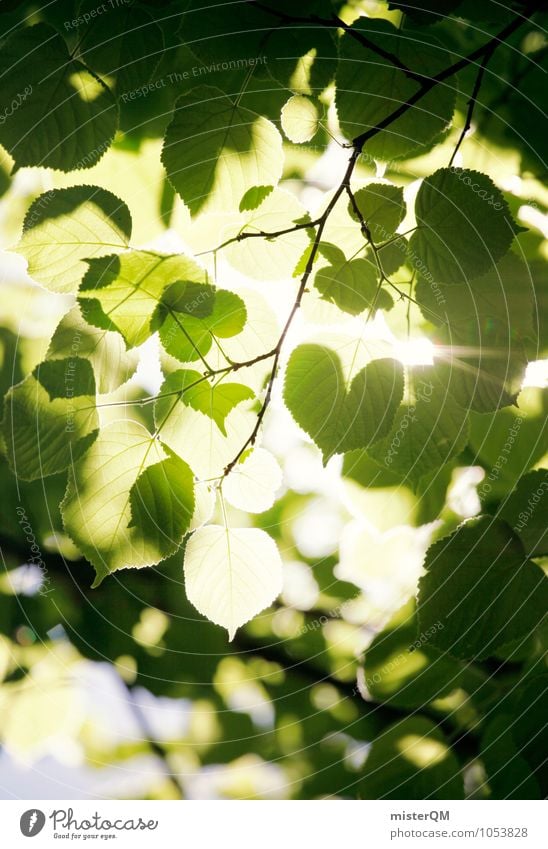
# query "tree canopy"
(274, 349)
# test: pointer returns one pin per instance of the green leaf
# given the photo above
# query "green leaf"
(340, 416)
(112, 364)
(428, 430)
(402, 669)
(275, 258)
(50, 418)
(304, 259)
(105, 485)
(382, 207)
(370, 88)
(352, 285)
(510, 442)
(485, 328)
(481, 586)
(187, 337)
(464, 225)
(125, 44)
(190, 298)
(243, 40)
(254, 197)
(426, 12)
(66, 378)
(231, 574)
(67, 116)
(525, 511)
(162, 503)
(411, 760)
(508, 773)
(122, 292)
(529, 729)
(299, 119)
(203, 423)
(215, 151)
(63, 227)
(430, 492)
(391, 256)
(215, 401)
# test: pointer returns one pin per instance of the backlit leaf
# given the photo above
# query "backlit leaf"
(464, 225)
(428, 430)
(526, 512)
(215, 151)
(105, 530)
(231, 574)
(370, 88)
(382, 208)
(187, 337)
(253, 482)
(353, 285)
(67, 116)
(122, 292)
(50, 418)
(337, 416)
(64, 227)
(111, 363)
(299, 119)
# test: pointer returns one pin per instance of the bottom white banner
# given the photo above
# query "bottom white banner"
(268, 825)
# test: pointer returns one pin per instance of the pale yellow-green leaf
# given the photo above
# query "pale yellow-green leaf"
(122, 292)
(97, 506)
(253, 482)
(63, 227)
(216, 150)
(112, 364)
(44, 434)
(204, 505)
(197, 438)
(231, 574)
(268, 259)
(260, 334)
(299, 119)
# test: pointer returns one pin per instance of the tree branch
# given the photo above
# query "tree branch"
(344, 186)
(337, 23)
(473, 98)
(429, 83)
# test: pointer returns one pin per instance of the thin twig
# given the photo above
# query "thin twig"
(472, 103)
(261, 234)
